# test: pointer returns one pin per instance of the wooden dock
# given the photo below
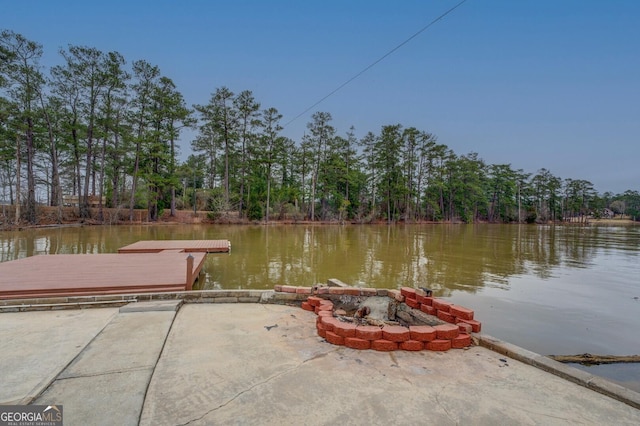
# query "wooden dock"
(91, 274)
(187, 246)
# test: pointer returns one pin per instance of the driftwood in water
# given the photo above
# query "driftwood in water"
(589, 359)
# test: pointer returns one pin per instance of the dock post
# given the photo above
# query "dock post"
(189, 272)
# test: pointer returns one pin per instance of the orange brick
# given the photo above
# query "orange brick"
(461, 312)
(445, 316)
(446, 331)
(412, 345)
(462, 341)
(325, 313)
(303, 290)
(277, 287)
(408, 292)
(383, 345)
(437, 345)
(314, 301)
(422, 333)
(424, 300)
(476, 326)
(395, 294)
(369, 332)
(356, 343)
(322, 290)
(464, 327)
(328, 322)
(336, 290)
(322, 333)
(344, 329)
(396, 333)
(289, 288)
(334, 338)
(428, 310)
(412, 303)
(441, 305)
(352, 291)
(306, 306)
(369, 292)
(326, 307)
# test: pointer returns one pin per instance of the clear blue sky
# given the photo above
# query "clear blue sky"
(545, 83)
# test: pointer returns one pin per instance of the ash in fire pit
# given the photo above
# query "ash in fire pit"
(380, 311)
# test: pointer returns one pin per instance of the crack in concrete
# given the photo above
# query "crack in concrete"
(443, 407)
(239, 394)
(104, 373)
(317, 356)
(537, 413)
(249, 389)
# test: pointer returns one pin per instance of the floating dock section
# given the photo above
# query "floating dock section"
(171, 265)
(187, 246)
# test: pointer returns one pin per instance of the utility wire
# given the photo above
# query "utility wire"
(423, 29)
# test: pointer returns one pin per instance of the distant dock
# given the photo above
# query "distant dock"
(152, 266)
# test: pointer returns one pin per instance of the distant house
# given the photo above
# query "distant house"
(608, 213)
(74, 200)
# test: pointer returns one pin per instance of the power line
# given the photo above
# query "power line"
(423, 29)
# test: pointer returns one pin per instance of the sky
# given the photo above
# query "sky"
(549, 84)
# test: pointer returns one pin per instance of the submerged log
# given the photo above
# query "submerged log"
(589, 359)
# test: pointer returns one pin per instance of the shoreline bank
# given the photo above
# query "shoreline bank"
(49, 220)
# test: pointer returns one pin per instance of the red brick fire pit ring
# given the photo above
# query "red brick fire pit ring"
(455, 334)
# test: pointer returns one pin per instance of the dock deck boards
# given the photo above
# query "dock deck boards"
(83, 274)
(188, 246)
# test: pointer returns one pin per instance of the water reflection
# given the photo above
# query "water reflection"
(445, 258)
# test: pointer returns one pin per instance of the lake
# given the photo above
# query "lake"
(550, 289)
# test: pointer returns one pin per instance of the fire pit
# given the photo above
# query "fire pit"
(407, 319)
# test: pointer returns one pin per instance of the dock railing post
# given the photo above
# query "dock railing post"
(190, 272)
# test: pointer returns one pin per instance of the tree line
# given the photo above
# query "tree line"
(99, 128)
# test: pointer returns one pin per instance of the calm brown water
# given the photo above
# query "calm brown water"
(550, 289)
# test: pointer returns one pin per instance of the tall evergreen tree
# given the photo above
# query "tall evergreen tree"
(248, 110)
(271, 148)
(86, 67)
(111, 121)
(20, 72)
(145, 82)
(388, 151)
(321, 134)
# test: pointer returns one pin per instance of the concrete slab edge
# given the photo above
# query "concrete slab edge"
(35, 306)
(152, 306)
(582, 378)
(114, 300)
